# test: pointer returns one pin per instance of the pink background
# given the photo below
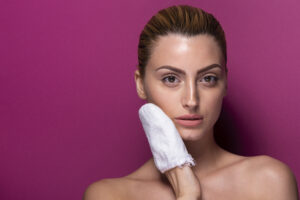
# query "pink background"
(68, 106)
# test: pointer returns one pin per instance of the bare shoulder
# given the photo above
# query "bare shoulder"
(268, 167)
(273, 178)
(132, 186)
(106, 189)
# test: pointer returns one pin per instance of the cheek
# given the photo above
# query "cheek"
(213, 105)
(167, 100)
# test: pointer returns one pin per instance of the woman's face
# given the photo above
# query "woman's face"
(184, 76)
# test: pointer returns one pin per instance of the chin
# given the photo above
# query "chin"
(190, 134)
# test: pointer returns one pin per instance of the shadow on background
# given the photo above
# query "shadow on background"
(227, 132)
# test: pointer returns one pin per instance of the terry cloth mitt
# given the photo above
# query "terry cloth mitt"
(165, 142)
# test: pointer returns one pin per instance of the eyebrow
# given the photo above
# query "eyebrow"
(182, 72)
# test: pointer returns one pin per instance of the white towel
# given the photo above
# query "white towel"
(165, 142)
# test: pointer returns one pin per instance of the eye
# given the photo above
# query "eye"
(211, 80)
(170, 80)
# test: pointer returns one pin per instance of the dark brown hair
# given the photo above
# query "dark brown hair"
(183, 19)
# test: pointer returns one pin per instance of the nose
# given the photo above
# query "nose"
(190, 99)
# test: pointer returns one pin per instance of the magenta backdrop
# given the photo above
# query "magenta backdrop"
(68, 106)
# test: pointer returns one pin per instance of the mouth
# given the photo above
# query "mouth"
(189, 120)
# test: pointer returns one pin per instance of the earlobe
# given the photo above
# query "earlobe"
(139, 85)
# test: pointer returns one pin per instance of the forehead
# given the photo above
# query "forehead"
(179, 50)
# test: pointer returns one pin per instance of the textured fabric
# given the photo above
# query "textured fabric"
(165, 142)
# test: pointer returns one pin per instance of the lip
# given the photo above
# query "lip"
(189, 120)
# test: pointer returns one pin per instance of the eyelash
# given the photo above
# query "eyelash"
(164, 80)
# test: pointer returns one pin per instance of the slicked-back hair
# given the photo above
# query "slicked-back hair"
(181, 19)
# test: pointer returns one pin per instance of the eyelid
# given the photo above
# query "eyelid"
(170, 74)
(215, 71)
(200, 76)
(211, 72)
(212, 82)
(217, 75)
(168, 83)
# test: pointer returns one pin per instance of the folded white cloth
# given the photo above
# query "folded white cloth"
(165, 142)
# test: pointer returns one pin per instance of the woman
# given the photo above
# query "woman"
(182, 69)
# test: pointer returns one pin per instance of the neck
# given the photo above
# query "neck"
(205, 152)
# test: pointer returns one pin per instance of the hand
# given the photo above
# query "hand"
(166, 144)
(169, 152)
(184, 183)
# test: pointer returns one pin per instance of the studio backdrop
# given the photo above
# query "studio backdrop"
(68, 103)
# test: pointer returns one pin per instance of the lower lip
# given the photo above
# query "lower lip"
(189, 123)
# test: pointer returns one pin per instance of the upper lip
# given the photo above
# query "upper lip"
(190, 117)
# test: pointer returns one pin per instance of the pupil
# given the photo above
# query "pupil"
(171, 78)
(208, 78)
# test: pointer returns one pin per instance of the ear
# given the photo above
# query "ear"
(139, 85)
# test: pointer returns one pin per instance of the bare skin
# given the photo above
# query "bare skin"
(218, 174)
(252, 178)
